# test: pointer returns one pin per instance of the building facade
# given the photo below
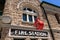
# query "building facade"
(19, 19)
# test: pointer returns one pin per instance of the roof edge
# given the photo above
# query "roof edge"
(50, 4)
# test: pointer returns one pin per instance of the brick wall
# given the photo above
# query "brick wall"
(13, 8)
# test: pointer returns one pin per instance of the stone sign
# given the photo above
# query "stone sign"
(20, 32)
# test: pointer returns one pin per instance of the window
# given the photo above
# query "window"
(24, 17)
(57, 17)
(29, 16)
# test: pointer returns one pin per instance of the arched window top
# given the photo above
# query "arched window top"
(29, 10)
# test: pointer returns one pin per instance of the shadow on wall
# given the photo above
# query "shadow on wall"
(2, 3)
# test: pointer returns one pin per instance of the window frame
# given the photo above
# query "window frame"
(32, 13)
(33, 19)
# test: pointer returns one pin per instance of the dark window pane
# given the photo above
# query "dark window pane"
(29, 9)
(34, 11)
(24, 8)
(35, 17)
(24, 17)
(1, 13)
(30, 18)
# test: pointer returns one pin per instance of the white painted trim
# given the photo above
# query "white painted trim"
(28, 36)
(27, 18)
(10, 32)
(31, 13)
(26, 26)
(19, 4)
(33, 19)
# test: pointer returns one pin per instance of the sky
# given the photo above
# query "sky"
(55, 2)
